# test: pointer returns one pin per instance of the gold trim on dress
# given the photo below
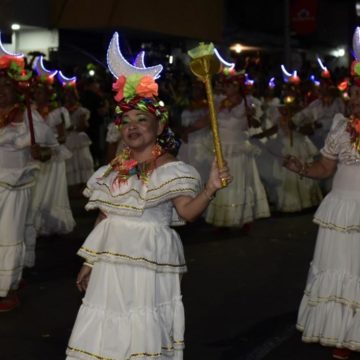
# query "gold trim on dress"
(149, 199)
(340, 300)
(98, 357)
(333, 226)
(92, 252)
(21, 186)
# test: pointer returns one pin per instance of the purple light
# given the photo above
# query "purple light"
(140, 60)
(315, 82)
(271, 83)
(248, 81)
(40, 68)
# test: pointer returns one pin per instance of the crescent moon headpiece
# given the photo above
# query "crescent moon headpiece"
(13, 65)
(135, 84)
(43, 74)
(290, 78)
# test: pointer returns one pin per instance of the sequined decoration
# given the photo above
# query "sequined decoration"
(118, 65)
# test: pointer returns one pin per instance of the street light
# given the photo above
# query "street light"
(15, 27)
(237, 48)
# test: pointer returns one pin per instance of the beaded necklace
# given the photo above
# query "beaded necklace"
(126, 166)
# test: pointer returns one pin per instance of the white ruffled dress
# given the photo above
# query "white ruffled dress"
(244, 200)
(195, 152)
(132, 307)
(50, 210)
(329, 311)
(17, 172)
(80, 166)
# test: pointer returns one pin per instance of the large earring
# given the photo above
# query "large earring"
(157, 150)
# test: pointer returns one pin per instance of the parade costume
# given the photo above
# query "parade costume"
(17, 178)
(245, 199)
(50, 209)
(329, 310)
(133, 307)
(80, 166)
(193, 151)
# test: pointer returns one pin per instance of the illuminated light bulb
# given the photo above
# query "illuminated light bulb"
(15, 27)
(92, 72)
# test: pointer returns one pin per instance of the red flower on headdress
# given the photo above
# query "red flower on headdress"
(6, 60)
(147, 87)
(118, 86)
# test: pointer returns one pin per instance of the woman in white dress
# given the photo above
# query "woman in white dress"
(80, 166)
(195, 130)
(51, 209)
(329, 311)
(245, 199)
(133, 259)
(17, 177)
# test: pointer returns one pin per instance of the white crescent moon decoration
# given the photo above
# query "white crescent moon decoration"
(356, 43)
(286, 74)
(64, 80)
(4, 52)
(119, 66)
(223, 61)
(39, 68)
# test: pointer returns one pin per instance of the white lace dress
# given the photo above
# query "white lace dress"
(132, 307)
(80, 166)
(196, 152)
(17, 172)
(244, 200)
(329, 311)
(50, 210)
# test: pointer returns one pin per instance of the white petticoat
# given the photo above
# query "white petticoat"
(51, 212)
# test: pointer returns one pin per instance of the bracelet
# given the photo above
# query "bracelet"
(209, 197)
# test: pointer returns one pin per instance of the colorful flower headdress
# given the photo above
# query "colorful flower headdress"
(135, 86)
(355, 66)
(13, 65)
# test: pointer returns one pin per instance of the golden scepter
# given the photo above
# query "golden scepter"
(204, 64)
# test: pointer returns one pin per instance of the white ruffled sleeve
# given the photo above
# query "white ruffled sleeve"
(331, 148)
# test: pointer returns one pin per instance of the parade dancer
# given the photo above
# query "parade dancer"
(51, 210)
(245, 199)
(80, 166)
(195, 130)
(19, 129)
(133, 259)
(329, 311)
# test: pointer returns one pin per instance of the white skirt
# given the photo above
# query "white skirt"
(13, 211)
(329, 311)
(244, 200)
(51, 212)
(129, 311)
(80, 166)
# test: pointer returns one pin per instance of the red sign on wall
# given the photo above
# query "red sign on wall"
(303, 16)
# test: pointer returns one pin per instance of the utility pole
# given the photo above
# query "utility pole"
(287, 48)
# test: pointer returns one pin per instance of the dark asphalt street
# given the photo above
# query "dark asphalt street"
(241, 293)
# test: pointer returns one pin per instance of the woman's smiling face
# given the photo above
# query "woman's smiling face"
(139, 129)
